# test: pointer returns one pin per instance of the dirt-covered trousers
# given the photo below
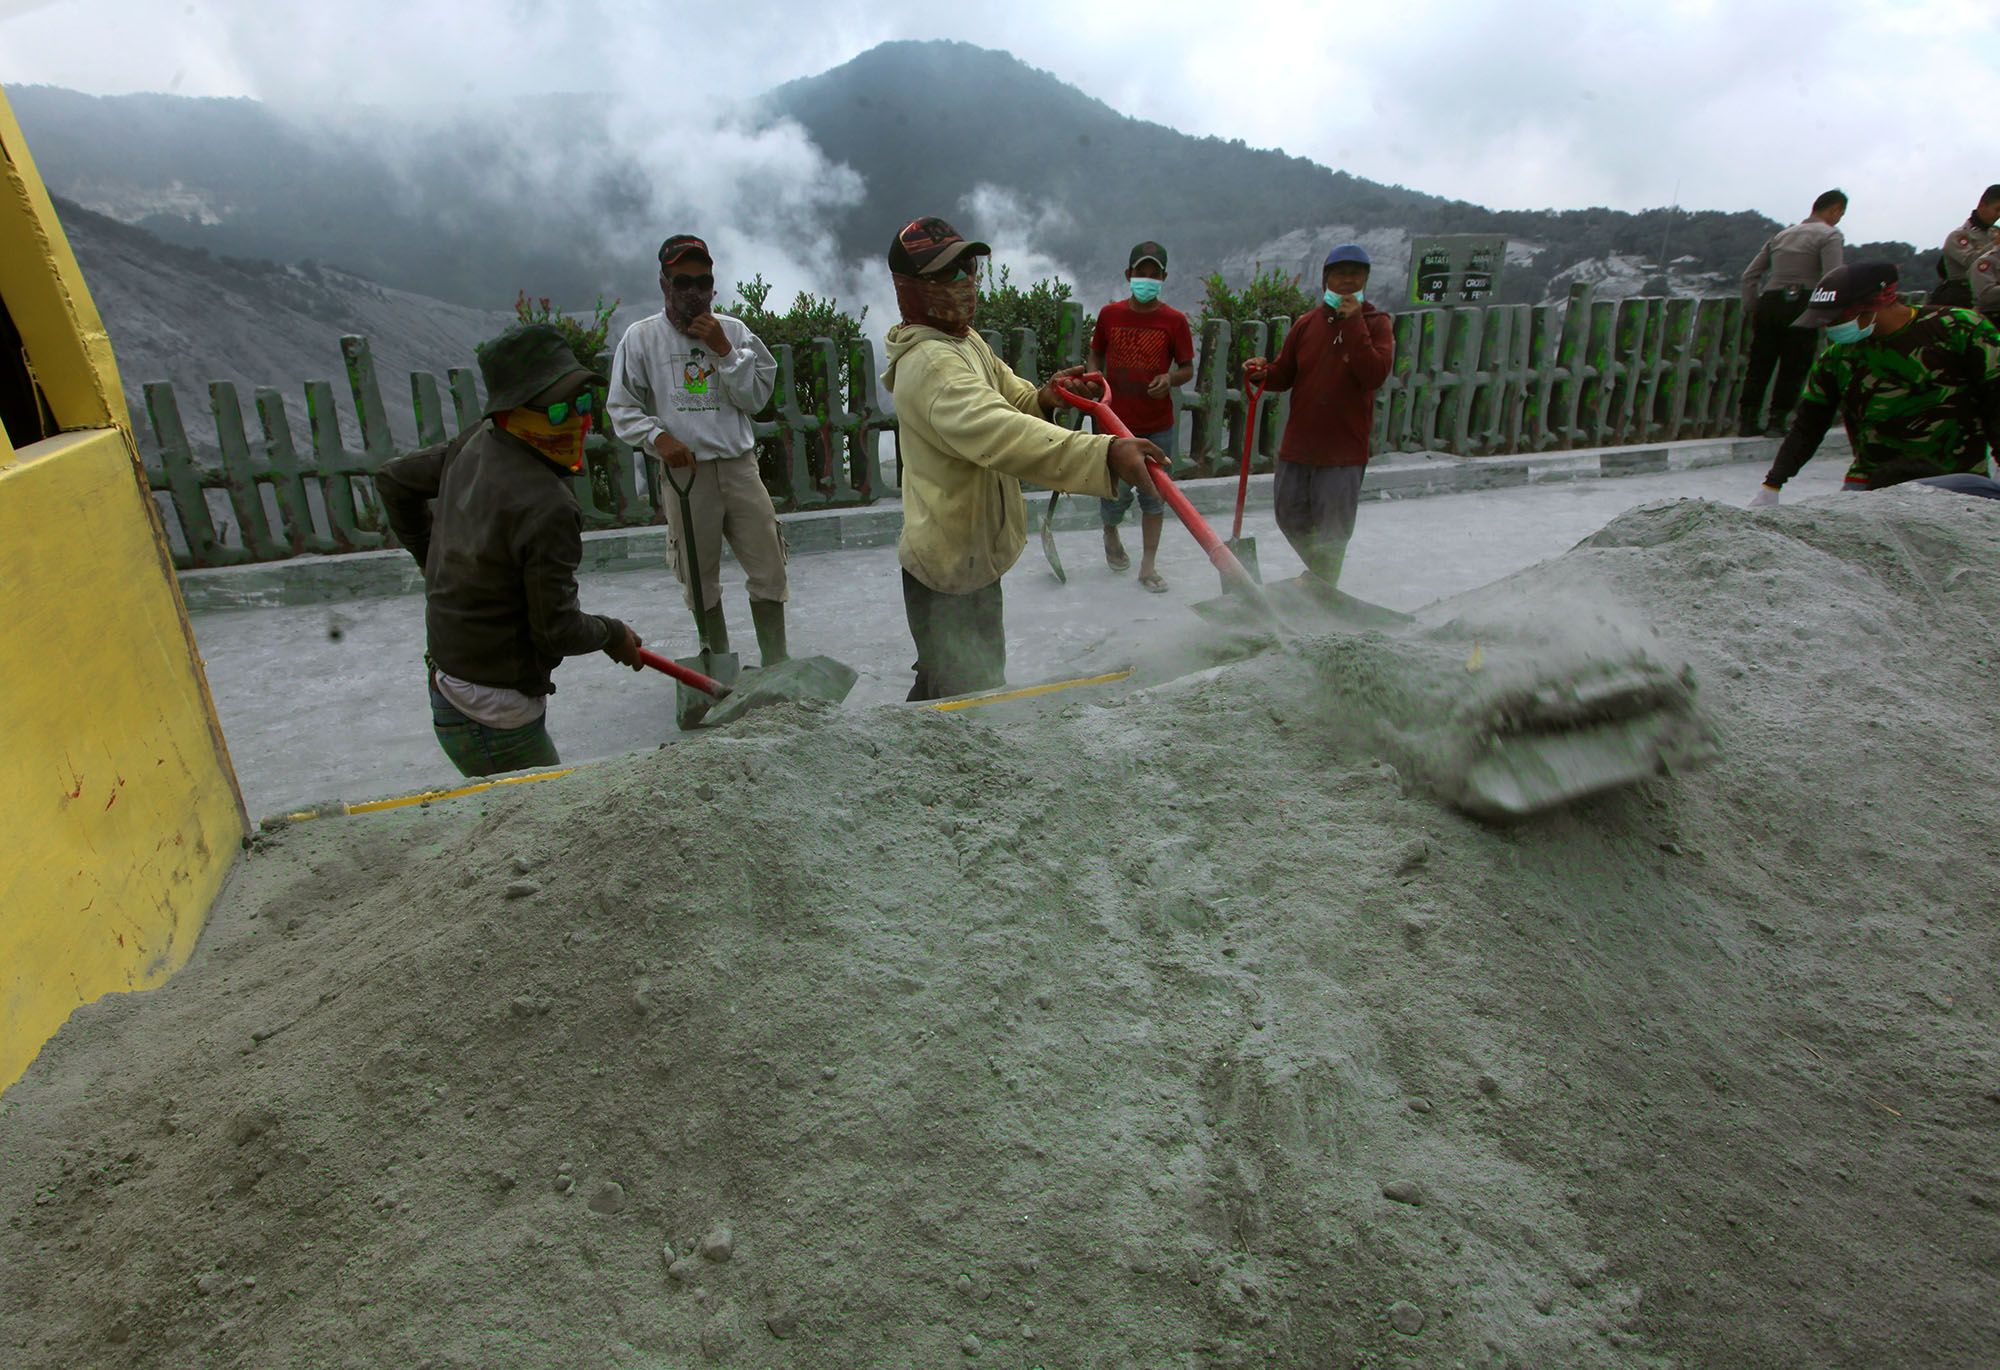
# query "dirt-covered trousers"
(728, 501)
(1315, 510)
(961, 639)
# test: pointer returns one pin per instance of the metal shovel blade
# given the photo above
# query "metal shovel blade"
(691, 706)
(1568, 737)
(1246, 552)
(1049, 536)
(797, 678)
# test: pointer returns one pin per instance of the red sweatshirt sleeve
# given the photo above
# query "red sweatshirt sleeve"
(1370, 351)
(1285, 369)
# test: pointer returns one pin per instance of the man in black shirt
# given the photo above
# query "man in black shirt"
(491, 519)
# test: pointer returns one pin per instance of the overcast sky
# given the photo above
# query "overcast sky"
(1740, 104)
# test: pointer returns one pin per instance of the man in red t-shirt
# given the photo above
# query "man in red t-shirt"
(1335, 357)
(1144, 349)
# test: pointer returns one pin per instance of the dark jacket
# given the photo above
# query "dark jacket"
(499, 548)
(1333, 367)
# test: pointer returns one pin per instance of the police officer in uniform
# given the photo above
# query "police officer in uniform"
(1775, 286)
(1964, 246)
(1986, 283)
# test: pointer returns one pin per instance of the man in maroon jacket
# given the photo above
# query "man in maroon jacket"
(1333, 361)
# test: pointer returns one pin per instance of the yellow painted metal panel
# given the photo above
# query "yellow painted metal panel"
(39, 279)
(122, 812)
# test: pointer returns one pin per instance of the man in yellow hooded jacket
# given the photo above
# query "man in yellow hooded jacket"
(968, 432)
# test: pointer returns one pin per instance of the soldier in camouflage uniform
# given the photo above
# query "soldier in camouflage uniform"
(1918, 390)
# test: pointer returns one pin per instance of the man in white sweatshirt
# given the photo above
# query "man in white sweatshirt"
(685, 383)
(968, 431)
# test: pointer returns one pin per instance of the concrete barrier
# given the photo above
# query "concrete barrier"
(324, 580)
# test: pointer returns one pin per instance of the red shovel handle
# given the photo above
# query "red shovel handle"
(1190, 517)
(705, 684)
(1249, 439)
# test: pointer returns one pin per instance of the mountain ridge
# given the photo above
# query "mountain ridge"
(369, 226)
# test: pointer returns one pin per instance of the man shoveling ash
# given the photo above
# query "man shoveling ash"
(968, 432)
(1918, 390)
(490, 518)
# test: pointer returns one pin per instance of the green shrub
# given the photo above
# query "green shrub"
(586, 340)
(809, 317)
(1268, 296)
(1005, 307)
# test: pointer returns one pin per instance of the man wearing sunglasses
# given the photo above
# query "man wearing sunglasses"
(490, 518)
(686, 383)
(968, 432)
(1918, 390)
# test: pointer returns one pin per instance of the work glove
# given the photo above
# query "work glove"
(623, 646)
(1765, 498)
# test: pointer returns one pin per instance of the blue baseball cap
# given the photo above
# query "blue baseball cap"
(1348, 252)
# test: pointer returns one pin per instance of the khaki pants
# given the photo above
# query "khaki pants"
(728, 501)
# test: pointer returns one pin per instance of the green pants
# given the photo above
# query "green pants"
(479, 750)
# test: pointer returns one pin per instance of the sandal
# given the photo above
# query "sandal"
(1117, 558)
(1155, 582)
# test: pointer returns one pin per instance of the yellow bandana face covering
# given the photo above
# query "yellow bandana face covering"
(561, 443)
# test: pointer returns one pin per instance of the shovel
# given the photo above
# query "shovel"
(1244, 548)
(1234, 577)
(1049, 536)
(691, 703)
(1563, 735)
(800, 677)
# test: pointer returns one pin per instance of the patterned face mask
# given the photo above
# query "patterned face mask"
(561, 443)
(686, 303)
(946, 306)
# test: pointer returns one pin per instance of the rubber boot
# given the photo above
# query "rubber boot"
(769, 617)
(714, 629)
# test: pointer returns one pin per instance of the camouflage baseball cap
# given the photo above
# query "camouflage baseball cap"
(1846, 290)
(530, 363)
(1147, 251)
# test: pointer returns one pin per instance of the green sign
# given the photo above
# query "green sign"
(1456, 268)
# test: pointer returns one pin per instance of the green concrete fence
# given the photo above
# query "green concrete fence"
(1473, 382)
